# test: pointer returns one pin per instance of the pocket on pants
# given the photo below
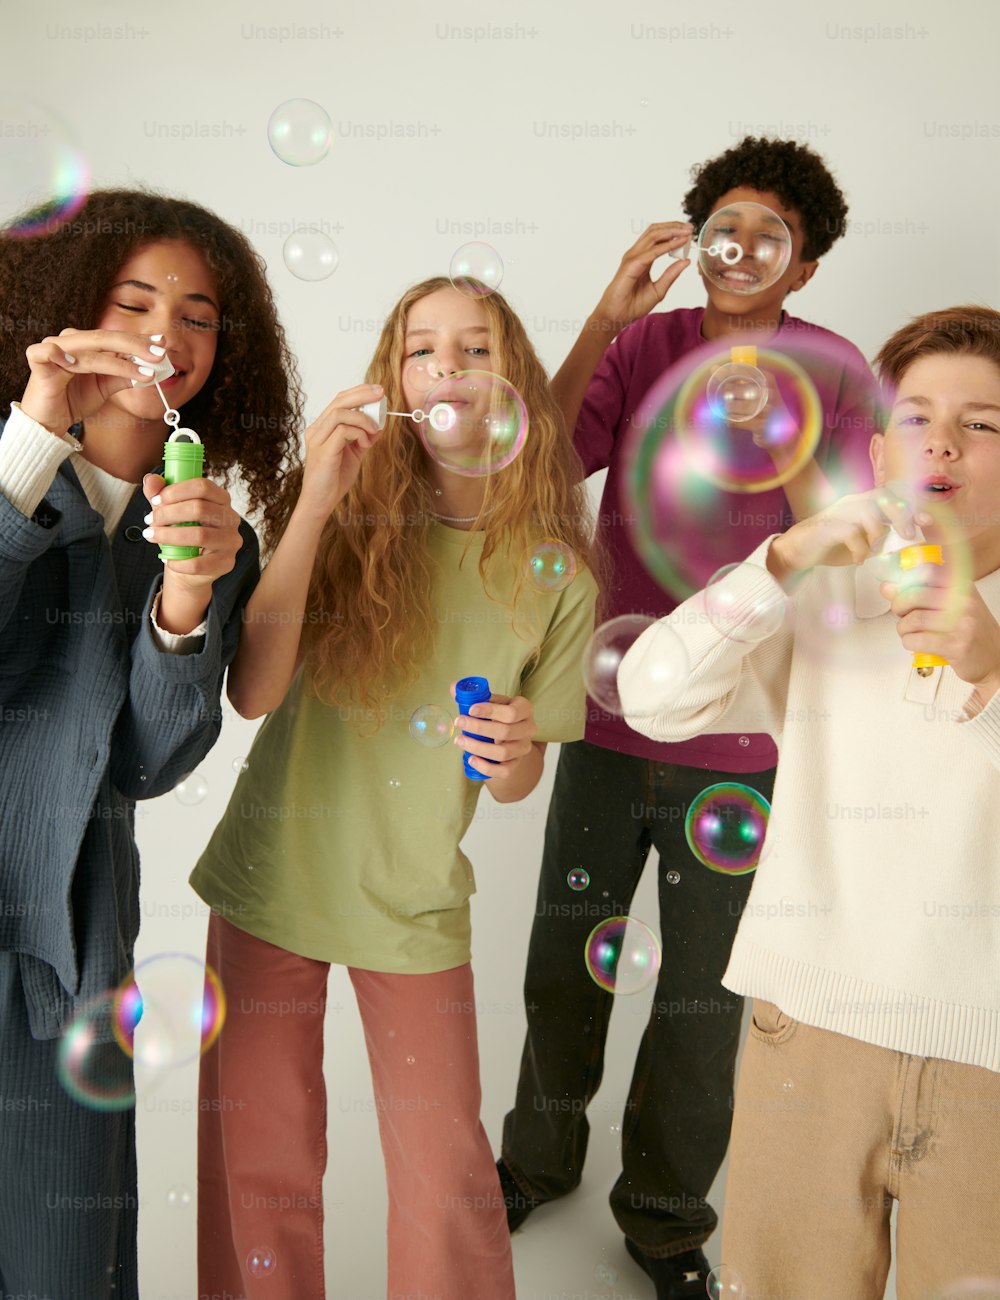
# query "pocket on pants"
(769, 1024)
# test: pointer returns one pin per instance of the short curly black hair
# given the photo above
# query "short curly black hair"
(797, 174)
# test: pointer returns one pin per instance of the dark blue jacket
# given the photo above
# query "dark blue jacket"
(92, 717)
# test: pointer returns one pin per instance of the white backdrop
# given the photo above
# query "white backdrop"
(555, 133)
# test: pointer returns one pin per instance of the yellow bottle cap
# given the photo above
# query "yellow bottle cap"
(921, 553)
(745, 355)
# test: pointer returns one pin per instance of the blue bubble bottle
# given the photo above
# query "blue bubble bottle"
(469, 691)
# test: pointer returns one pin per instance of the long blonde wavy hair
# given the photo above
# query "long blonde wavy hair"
(370, 620)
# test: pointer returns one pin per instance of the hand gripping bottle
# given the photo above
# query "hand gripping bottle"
(183, 458)
(909, 558)
(469, 691)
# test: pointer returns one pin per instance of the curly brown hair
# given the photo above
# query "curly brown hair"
(370, 623)
(796, 173)
(252, 400)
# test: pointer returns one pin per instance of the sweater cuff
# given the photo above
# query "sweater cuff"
(30, 456)
(176, 643)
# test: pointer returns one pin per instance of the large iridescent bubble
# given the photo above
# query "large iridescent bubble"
(44, 178)
(699, 490)
(473, 423)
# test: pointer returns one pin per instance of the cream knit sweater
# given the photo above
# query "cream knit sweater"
(875, 910)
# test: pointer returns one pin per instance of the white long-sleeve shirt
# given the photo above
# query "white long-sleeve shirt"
(875, 909)
(30, 456)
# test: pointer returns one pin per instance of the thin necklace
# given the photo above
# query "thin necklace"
(462, 519)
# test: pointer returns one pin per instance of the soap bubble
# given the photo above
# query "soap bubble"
(476, 270)
(732, 455)
(727, 611)
(736, 392)
(622, 955)
(695, 484)
(90, 1064)
(192, 790)
(611, 642)
(605, 1274)
(261, 1262)
(476, 423)
(578, 878)
(240, 764)
(725, 827)
(421, 374)
(744, 248)
(168, 1011)
(724, 1283)
(310, 255)
(44, 179)
(179, 1198)
(431, 726)
(300, 133)
(551, 566)
(673, 877)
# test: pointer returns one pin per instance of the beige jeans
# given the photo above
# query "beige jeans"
(827, 1131)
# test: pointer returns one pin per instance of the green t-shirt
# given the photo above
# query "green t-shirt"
(345, 847)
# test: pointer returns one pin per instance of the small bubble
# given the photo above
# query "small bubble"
(411, 1060)
(240, 764)
(178, 1197)
(673, 877)
(606, 1274)
(171, 277)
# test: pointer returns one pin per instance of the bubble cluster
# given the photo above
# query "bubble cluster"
(578, 878)
(476, 270)
(622, 955)
(310, 255)
(725, 827)
(300, 133)
(551, 566)
(432, 726)
(476, 423)
(609, 645)
(44, 179)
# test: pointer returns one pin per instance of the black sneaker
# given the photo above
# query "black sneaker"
(518, 1205)
(678, 1277)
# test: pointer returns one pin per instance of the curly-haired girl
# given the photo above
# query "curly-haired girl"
(111, 663)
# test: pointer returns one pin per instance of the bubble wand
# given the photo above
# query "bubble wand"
(183, 457)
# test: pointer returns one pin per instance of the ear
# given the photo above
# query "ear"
(806, 272)
(876, 453)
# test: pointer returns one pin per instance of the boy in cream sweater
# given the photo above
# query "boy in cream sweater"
(871, 938)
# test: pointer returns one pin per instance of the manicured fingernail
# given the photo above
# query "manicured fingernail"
(157, 352)
(155, 500)
(148, 519)
(148, 533)
(157, 338)
(70, 358)
(146, 370)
